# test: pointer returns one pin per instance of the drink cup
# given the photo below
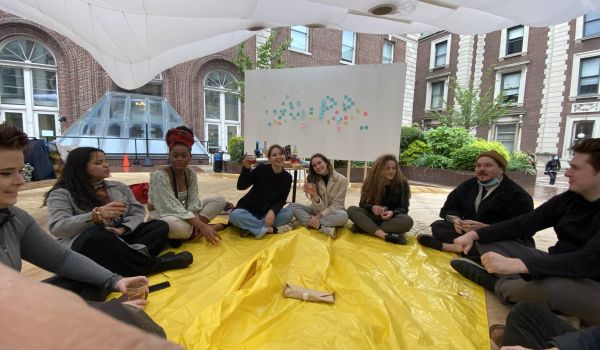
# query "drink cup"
(137, 290)
(251, 159)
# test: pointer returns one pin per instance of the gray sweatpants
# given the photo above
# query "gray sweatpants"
(369, 222)
(572, 296)
(337, 217)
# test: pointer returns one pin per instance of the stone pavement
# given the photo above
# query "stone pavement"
(425, 204)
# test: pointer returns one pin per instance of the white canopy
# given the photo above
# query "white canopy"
(134, 40)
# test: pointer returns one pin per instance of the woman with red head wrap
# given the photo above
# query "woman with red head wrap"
(173, 194)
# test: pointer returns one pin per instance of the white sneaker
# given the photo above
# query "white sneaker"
(328, 230)
(284, 228)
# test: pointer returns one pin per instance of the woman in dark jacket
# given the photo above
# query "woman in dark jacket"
(384, 201)
(261, 210)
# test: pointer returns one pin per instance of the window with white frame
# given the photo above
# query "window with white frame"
(221, 109)
(348, 47)
(510, 85)
(591, 24)
(514, 41)
(578, 128)
(585, 74)
(388, 52)
(440, 52)
(28, 87)
(437, 93)
(506, 134)
(587, 26)
(589, 72)
(511, 81)
(299, 36)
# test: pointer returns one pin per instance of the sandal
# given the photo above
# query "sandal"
(497, 333)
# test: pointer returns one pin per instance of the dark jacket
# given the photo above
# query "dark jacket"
(507, 201)
(269, 190)
(552, 166)
(576, 222)
(395, 198)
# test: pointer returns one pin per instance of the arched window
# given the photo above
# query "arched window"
(28, 87)
(221, 109)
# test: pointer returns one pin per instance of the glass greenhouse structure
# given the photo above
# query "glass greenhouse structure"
(123, 123)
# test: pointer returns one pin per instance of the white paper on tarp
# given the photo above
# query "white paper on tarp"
(344, 112)
(135, 40)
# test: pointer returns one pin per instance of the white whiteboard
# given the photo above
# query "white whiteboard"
(344, 112)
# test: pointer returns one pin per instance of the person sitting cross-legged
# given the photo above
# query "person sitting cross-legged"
(485, 199)
(261, 210)
(567, 278)
(326, 190)
(384, 201)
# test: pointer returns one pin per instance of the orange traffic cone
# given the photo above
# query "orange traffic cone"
(125, 161)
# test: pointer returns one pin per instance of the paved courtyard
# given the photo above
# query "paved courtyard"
(424, 208)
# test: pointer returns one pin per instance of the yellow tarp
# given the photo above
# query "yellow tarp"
(386, 296)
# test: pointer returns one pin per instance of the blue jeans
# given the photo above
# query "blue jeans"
(245, 220)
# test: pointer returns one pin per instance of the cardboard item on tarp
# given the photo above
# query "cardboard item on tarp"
(296, 292)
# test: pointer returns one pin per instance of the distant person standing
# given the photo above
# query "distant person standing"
(552, 167)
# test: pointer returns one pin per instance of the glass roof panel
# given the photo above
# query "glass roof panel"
(119, 122)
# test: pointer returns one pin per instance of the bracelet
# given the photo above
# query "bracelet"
(96, 215)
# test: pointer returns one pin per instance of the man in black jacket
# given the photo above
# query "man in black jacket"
(486, 199)
(567, 278)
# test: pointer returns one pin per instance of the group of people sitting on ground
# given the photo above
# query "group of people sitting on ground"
(382, 211)
(489, 219)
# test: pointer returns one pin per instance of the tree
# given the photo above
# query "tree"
(474, 107)
(267, 57)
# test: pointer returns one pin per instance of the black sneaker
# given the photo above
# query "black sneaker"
(475, 272)
(429, 241)
(175, 261)
(396, 238)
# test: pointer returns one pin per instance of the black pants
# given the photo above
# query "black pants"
(531, 325)
(109, 251)
(369, 222)
(552, 177)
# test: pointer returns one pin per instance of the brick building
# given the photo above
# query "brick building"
(550, 77)
(47, 82)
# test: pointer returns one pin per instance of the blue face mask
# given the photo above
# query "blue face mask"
(492, 182)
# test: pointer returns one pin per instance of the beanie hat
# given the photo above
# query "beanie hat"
(496, 157)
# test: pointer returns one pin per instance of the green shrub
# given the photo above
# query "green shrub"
(433, 161)
(361, 164)
(414, 151)
(464, 157)
(410, 134)
(520, 161)
(445, 140)
(235, 148)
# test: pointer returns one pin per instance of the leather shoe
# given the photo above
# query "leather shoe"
(176, 261)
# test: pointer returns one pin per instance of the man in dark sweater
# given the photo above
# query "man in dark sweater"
(567, 278)
(488, 198)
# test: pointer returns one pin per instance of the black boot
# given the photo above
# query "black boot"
(175, 261)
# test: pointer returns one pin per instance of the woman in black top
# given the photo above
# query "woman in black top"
(261, 210)
(384, 202)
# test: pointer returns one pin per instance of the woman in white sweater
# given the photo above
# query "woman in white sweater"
(326, 191)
